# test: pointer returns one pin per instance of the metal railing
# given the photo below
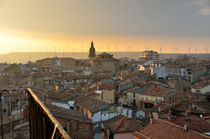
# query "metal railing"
(43, 124)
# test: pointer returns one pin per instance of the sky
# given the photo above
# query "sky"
(114, 25)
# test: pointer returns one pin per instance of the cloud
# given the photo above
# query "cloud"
(205, 7)
(205, 11)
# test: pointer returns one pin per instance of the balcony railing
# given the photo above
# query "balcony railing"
(43, 124)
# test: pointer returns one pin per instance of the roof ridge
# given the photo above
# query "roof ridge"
(137, 132)
(183, 128)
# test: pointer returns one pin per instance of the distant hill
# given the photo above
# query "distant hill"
(23, 57)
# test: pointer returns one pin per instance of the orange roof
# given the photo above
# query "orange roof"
(101, 86)
(122, 124)
(201, 84)
(162, 129)
(139, 135)
(90, 104)
(194, 123)
(158, 91)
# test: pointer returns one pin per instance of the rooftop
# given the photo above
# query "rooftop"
(162, 129)
(64, 94)
(101, 86)
(109, 122)
(122, 124)
(194, 123)
(201, 84)
(157, 91)
(138, 90)
(125, 124)
(90, 104)
(67, 114)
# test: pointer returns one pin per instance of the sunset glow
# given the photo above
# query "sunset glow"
(70, 26)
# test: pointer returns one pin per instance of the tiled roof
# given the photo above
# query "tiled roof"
(101, 86)
(163, 107)
(125, 124)
(62, 94)
(185, 96)
(181, 107)
(203, 107)
(122, 124)
(138, 90)
(196, 67)
(194, 123)
(90, 104)
(109, 122)
(158, 91)
(139, 135)
(162, 129)
(201, 84)
(67, 114)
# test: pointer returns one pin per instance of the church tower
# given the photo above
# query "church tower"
(92, 53)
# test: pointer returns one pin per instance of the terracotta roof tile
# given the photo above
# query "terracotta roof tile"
(201, 84)
(158, 91)
(122, 124)
(162, 129)
(194, 123)
(67, 114)
(109, 122)
(90, 104)
(139, 135)
(125, 124)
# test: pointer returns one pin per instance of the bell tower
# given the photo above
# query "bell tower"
(92, 53)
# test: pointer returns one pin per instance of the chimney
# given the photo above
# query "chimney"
(56, 88)
(102, 95)
(67, 127)
(169, 115)
(159, 109)
(83, 90)
(150, 120)
(186, 127)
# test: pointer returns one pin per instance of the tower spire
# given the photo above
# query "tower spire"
(92, 52)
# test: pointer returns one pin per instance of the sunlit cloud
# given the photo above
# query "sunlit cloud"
(205, 7)
(205, 11)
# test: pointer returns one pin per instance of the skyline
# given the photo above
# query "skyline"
(114, 26)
